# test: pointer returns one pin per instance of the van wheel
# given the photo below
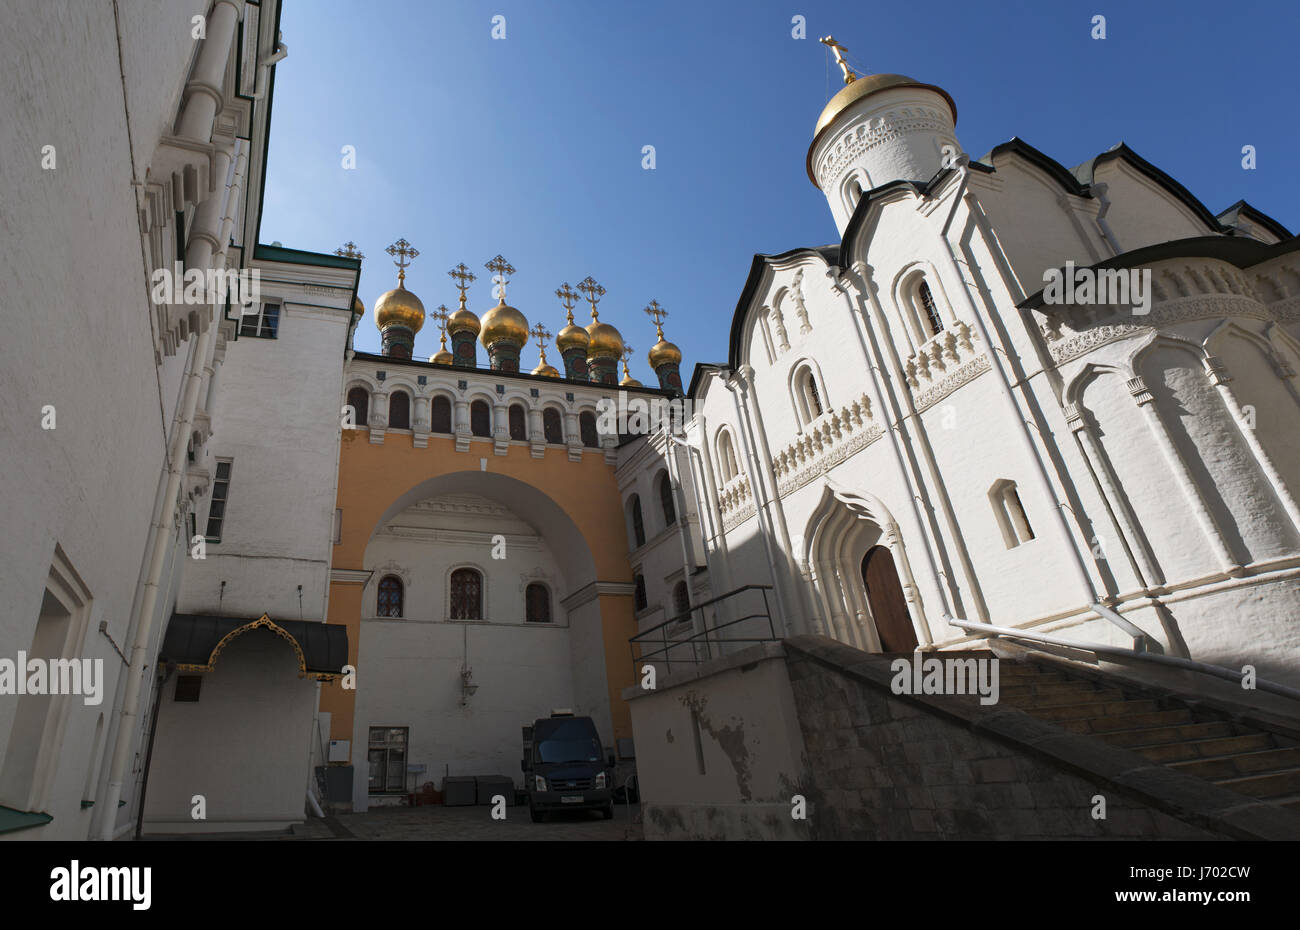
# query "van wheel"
(607, 812)
(535, 814)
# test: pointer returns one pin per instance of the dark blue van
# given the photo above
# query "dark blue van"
(564, 767)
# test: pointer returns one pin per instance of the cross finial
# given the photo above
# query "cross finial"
(627, 354)
(839, 50)
(594, 292)
(348, 250)
(463, 276)
(542, 335)
(501, 270)
(404, 252)
(657, 313)
(440, 316)
(569, 297)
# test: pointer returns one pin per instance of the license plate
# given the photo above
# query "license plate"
(572, 800)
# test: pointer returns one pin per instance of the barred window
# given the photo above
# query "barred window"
(390, 597)
(480, 418)
(518, 422)
(399, 410)
(553, 426)
(537, 603)
(466, 594)
(440, 418)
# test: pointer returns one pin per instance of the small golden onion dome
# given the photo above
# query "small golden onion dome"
(629, 381)
(399, 307)
(546, 370)
(663, 351)
(358, 307)
(463, 321)
(859, 89)
(503, 323)
(442, 357)
(572, 336)
(605, 341)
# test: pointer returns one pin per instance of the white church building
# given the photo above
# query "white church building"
(1014, 402)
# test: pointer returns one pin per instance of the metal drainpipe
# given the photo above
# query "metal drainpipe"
(1004, 387)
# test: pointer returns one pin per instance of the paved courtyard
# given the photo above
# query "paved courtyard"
(435, 822)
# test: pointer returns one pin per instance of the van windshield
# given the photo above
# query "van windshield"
(571, 741)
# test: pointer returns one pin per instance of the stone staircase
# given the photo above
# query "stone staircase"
(1188, 737)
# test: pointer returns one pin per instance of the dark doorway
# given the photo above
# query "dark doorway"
(885, 597)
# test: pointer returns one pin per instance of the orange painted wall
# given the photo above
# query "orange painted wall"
(373, 476)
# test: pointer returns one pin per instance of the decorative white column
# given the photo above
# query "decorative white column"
(536, 434)
(461, 425)
(500, 427)
(203, 90)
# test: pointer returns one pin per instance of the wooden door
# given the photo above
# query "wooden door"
(888, 605)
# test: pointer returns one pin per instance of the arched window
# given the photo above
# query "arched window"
(855, 193)
(553, 426)
(587, 427)
(518, 422)
(928, 308)
(1010, 513)
(537, 603)
(638, 524)
(399, 410)
(807, 397)
(440, 415)
(638, 596)
(727, 456)
(681, 599)
(359, 401)
(389, 603)
(480, 418)
(466, 594)
(666, 499)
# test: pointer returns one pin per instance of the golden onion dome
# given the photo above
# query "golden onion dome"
(399, 307)
(629, 381)
(572, 336)
(860, 89)
(442, 357)
(503, 323)
(605, 341)
(463, 321)
(358, 307)
(546, 370)
(663, 351)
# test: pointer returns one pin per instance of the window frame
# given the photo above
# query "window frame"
(475, 405)
(558, 419)
(636, 521)
(667, 498)
(208, 535)
(388, 747)
(451, 592)
(546, 596)
(361, 412)
(401, 598)
(406, 399)
(260, 328)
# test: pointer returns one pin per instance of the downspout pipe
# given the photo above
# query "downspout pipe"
(1077, 565)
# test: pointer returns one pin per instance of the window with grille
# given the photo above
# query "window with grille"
(399, 410)
(389, 603)
(480, 418)
(638, 523)
(666, 499)
(587, 427)
(387, 758)
(681, 600)
(440, 415)
(639, 593)
(929, 308)
(518, 423)
(537, 603)
(466, 594)
(220, 495)
(553, 426)
(809, 397)
(264, 324)
(359, 401)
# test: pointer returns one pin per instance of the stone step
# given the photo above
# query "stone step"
(1094, 710)
(1242, 763)
(1290, 801)
(1059, 692)
(1272, 785)
(1168, 753)
(1157, 735)
(1101, 725)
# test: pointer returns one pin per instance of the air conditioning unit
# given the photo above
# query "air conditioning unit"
(340, 749)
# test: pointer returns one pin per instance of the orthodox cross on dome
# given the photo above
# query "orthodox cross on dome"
(657, 313)
(543, 336)
(569, 297)
(440, 316)
(627, 354)
(501, 271)
(839, 50)
(463, 276)
(594, 292)
(404, 252)
(348, 250)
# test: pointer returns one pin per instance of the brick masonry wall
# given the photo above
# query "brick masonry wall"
(885, 768)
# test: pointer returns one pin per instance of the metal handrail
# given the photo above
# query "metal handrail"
(641, 639)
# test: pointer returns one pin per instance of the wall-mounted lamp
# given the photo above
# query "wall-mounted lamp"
(467, 686)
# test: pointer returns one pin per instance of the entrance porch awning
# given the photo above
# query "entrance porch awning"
(194, 641)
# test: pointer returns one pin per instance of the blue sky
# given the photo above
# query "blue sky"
(531, 146)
